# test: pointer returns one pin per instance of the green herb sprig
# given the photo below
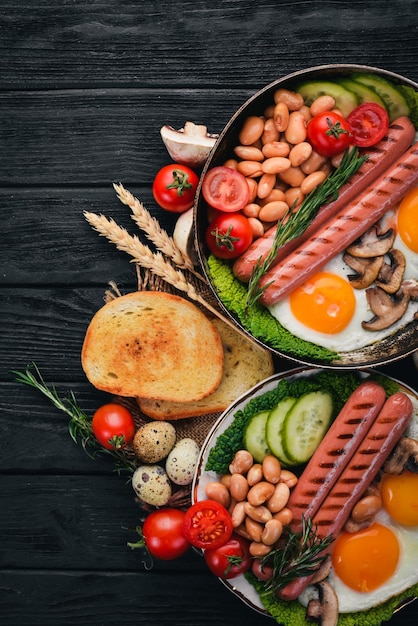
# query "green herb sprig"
(294, 223)
(79, 426)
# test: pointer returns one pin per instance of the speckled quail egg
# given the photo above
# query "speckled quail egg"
(181, 462)
(152, 485)
(153, 441)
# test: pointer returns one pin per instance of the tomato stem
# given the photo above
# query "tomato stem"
(180, 182)
(335, 130)
(224, 238)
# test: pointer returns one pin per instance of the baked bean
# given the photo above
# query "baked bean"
(300, 153)
(251, 130)
(366, 508)
(239, 487)
(253, 528)
(242, 531)
(276, 195)
(279, 499)
(293, 195)
(281, 116)
(296, 128)
(260, 493)
(265, 185)
(293, 176)
(293, 100)
(288, 477)
(284, 516)
(273, 211)
(313, 163)
(226, 480)
(275, 165)
(249, 153)
(252, 186)
(270, 132)
(272, 532)
(258, 513)
(231, 163)
(255, 474)
(276, 149)
(312, 181)
(256, 548)
(268, 111)
(306, 112)
(251, 210)
(218, 492)
(321, 104)
(232, 504)
(271, 469)
(241, 462)
(238, 514)
(256, 226)
(252, 169)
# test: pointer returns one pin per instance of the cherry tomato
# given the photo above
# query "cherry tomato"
(369, 123)
(231, 558)
(207, 524)
(174, 187)
(329, 133)
(113, 426)
(225, 189)
(228, 235)
(163, 534)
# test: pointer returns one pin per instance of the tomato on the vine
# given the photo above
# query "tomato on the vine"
(329, 133)
(231, 558)
(207, 524)
(225, 189)
(369, 122)
(113, 426)
(174, 187)
(229, 235)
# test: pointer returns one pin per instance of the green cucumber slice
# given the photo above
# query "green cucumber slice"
(363, 92)
(395, 102)
(274, 426)
(305, 425)
(345, 100)
(255, 436)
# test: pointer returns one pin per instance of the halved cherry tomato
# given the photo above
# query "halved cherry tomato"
(369, 122)
(207, 524)
(229, 235)
(329, 133)
(113, 426)
(174, 187)
(225, 189)
(231, 558)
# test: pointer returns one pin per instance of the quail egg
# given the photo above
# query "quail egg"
(152, 485)
(181, 462)
(153, 441)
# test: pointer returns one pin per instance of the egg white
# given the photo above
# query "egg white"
(353, 336)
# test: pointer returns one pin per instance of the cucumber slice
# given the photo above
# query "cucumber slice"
(363, 92)
(345, 100)
(274, 426)
(305, 425)
(395, 102)
(255, 436)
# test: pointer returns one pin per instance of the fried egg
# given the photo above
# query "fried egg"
(328, 311)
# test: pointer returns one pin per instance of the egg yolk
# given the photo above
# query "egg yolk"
(408, 220)
(325, 303)
(400, 497)
(367, 559)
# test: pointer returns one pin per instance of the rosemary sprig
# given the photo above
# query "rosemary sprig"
(79, 426)
(294, 223)
(300, 555)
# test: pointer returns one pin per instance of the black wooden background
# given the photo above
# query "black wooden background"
(84, 90)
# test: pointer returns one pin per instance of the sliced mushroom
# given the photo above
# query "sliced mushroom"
(372, 243)
(324, 610)
(190, 145)
(367, 270)
(391, 274)
(323, 571)
(403, 456)
(410, 287)
(387, 309)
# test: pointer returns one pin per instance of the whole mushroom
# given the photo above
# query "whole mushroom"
(190, 145)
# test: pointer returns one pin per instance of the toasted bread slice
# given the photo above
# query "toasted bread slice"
(154, 345)
(245, 364)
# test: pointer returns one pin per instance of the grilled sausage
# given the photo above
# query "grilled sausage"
(381, 156)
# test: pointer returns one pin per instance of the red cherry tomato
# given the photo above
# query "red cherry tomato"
(225, 189)
(113, 426)
(231, 558)
(163, 534)
(229, 235)
(207, 524)
(369, 123)
(329, 133)
(174, 188)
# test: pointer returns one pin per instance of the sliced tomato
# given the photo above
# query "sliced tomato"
(369, 123)
(225, 189)
(231, 559)
(207, 524)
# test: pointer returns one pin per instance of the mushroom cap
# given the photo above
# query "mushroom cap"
(387, 309)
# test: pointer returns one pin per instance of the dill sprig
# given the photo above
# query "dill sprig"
(79, 426)
(294, 223)
(301, 554)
